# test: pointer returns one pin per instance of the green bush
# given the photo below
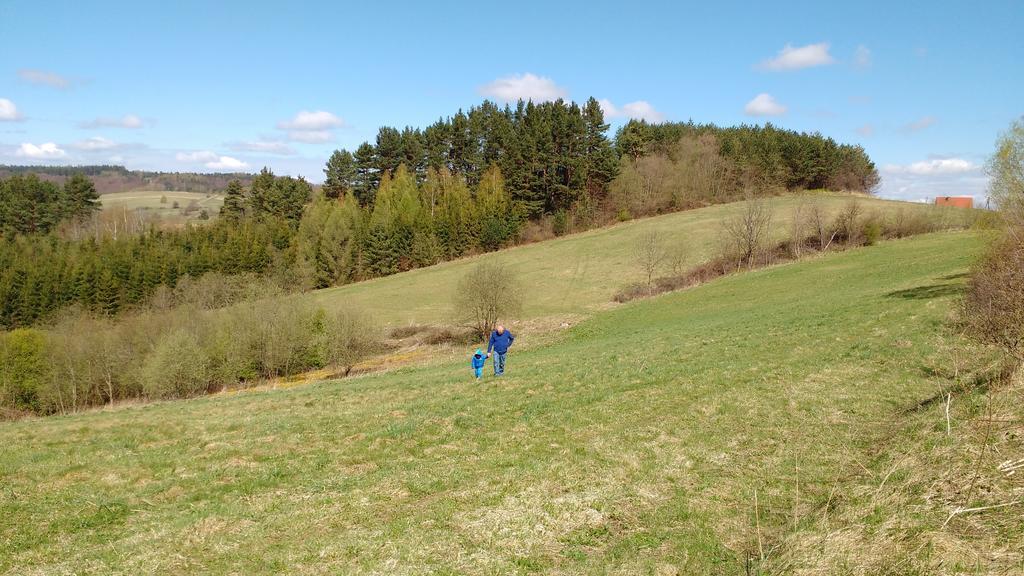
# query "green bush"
(176, 368)
(560, 223)
(346, 338)
(494, 233)
(871, 232)
(24, 368)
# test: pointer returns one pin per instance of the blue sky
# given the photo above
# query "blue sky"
(925, 87)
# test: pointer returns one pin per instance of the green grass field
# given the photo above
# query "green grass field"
(150, 203)
(678, 435)
(576, 274)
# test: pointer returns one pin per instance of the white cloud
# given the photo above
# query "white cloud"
(639, 110)
(47, 151)
(764, 105)
(308, 121)
(311, 136)
(94, 144)
(199, 156)
(867, 130)
(924, 180)
(862, 58)
(920, 124)
(933, 166)
(523, 87)
(263, 146)
(8, 111)
(211, 160)
(790, 58)
(129, 121)
(311, 127)
(227, 163)
(44, 78)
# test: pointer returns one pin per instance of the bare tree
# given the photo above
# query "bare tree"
(821, 228)
(848, 222)
(649, 253)
(746, 233)
(486, 293)
(675, 257)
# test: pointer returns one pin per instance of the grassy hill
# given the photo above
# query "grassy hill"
(685, 434)
(577, 274)
(161, 203)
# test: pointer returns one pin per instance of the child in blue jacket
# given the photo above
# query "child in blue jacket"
(478, 363)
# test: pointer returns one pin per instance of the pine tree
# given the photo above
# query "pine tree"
(262, 199)
(602, 165)
(367, 177)
(426, 250)
(233, 209)
(379, 251)
(412, 152)
(493, 209)
(340, 174)
(108, 297)
(389, 149)
(454, 222)
(80, 196)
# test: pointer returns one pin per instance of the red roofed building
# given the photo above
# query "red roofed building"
(955, 201)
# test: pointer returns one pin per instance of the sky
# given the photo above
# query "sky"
(925, 87)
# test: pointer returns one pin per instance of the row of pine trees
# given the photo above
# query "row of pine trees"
(409, 225)
(30, 205)
(551, 154)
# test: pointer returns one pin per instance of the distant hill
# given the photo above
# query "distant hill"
(110, 178)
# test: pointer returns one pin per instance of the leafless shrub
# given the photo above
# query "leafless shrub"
(347, 338)
(744, 236)
(489, 291)
(402, 332)
(676, 256)
(93, 370)
(821, 228)
(848, 223)
(993, 306)
(649, 254)
(536, 231)
(799, 228)
(216, 290)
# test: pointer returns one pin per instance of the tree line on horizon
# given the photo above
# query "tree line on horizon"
(473, 182)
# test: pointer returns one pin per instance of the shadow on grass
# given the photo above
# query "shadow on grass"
(927, 292)
(980, 382)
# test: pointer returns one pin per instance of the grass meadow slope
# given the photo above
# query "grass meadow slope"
(168, 206)
(578, 274)
(697, 432)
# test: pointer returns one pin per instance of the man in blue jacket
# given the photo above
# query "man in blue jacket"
(500, 340)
